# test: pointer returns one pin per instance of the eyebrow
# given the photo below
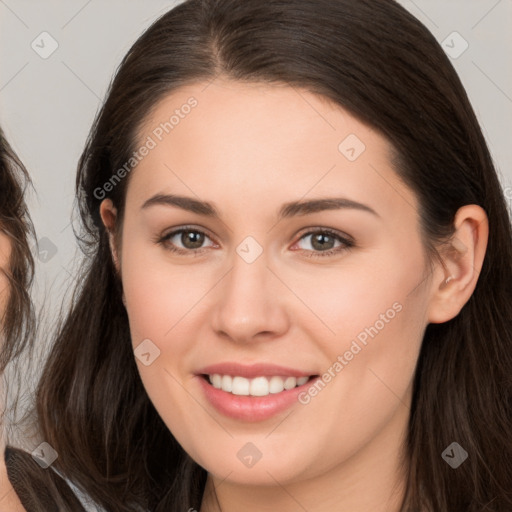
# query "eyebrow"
(287, 210)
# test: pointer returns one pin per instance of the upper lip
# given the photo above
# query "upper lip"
(253, 370)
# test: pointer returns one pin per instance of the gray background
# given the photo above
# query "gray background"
(47, 105)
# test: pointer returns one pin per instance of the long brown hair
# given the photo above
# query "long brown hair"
(17, 322)
(383, 66)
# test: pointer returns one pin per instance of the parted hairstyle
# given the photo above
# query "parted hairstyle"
(374, 59)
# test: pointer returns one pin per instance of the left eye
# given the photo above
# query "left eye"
(191, 240)
(323, 242)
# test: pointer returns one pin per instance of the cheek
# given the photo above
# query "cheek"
(158, 293)
(373, 294)
(162, 301)
(368, 321)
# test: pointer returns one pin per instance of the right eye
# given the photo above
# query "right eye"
(191, 240)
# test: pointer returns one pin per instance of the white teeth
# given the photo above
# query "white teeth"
(259, 386)
(241, 386)
(276, 385)
(216, 381)
(227, 383)
(290, 383)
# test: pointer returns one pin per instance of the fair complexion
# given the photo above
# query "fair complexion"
(9, 500)
(5, 254)
(249, 149)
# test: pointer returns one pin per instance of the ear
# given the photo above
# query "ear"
(455, 280)
(108, 213)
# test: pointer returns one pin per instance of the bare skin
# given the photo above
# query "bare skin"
(248, 149)
(5, 253)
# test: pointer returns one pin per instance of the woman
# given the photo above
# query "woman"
(247, 333)
(16, 271)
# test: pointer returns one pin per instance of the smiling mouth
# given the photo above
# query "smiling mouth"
(258, 386)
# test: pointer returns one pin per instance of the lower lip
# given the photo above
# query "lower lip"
(252, 408)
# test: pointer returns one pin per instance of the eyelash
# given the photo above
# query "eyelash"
(347, 243)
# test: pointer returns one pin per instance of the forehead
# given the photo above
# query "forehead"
(260, 140)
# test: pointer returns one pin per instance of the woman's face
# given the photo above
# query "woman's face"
(264, 289)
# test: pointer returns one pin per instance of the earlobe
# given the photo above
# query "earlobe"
(455, 280)
(108, 213)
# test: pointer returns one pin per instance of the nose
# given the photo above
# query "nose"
(251, 303)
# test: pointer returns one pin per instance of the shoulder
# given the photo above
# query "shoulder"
(9, 500)
(43, 490)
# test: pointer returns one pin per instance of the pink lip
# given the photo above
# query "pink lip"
(251, 408)
(252, 371)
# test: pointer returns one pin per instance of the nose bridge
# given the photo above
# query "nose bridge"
(250, 303)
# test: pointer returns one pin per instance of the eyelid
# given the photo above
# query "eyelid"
(321, 229)
(179, 229)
